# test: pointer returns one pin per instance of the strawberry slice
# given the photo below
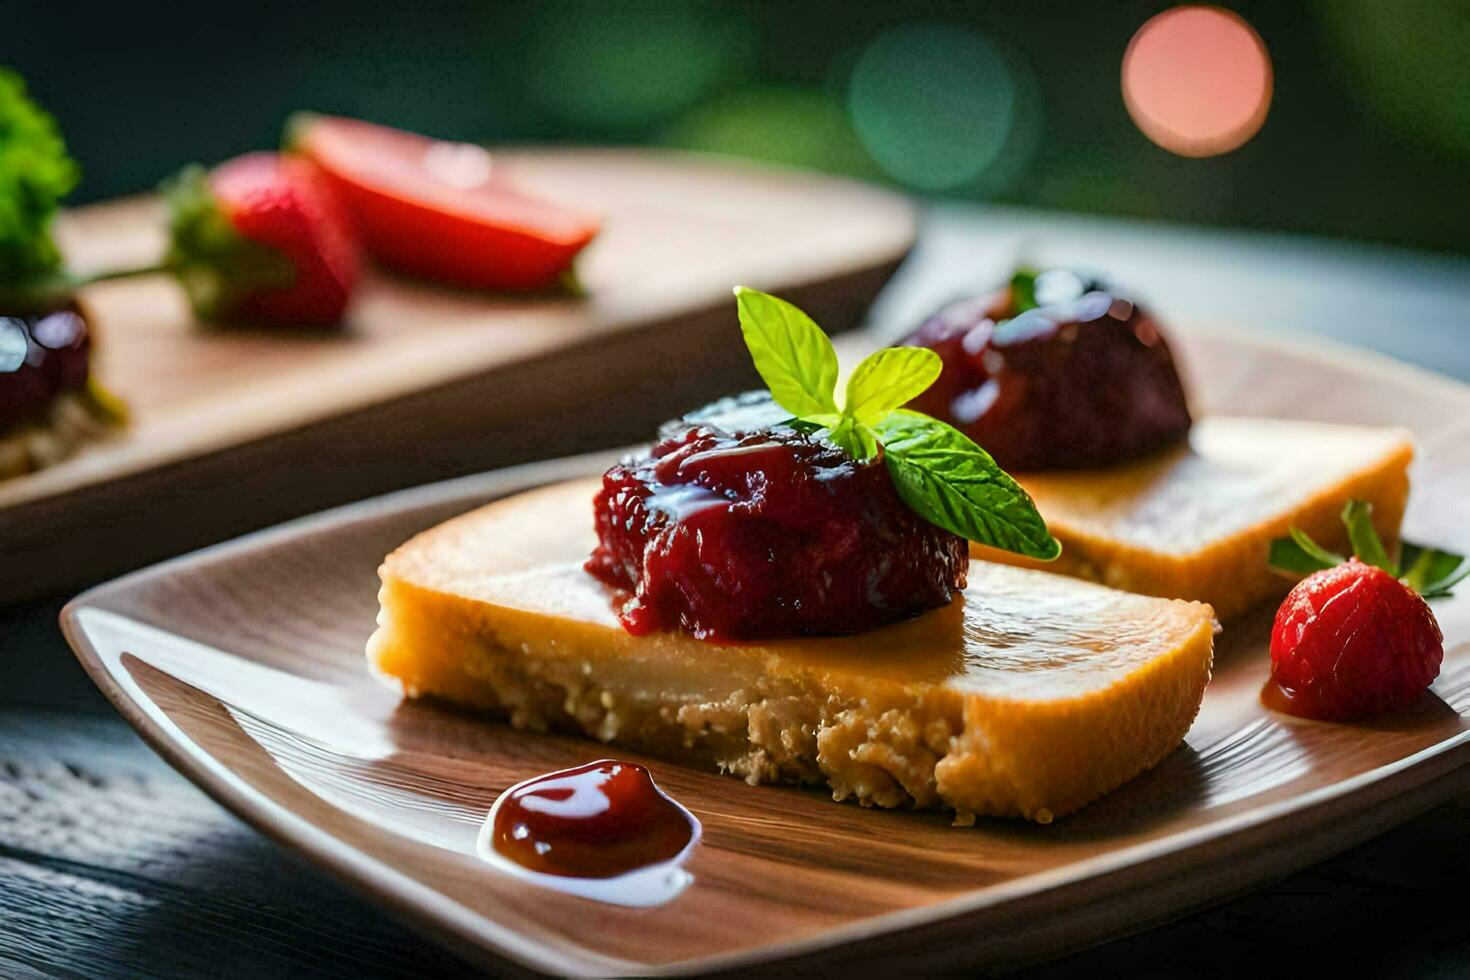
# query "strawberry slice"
(442, 211)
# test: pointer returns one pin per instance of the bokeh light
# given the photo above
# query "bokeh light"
(1408, 64)
(934, 105)
(798, 127)
(618, 69)
(13, 344)
(1197, 80)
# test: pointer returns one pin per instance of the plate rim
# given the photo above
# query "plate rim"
(1433, 773)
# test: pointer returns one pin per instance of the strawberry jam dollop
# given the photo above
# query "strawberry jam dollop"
(1082, 378)
(736, 526)
(53, 353)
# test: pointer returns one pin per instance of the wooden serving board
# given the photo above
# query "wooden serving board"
(234, 429)
(243, 666)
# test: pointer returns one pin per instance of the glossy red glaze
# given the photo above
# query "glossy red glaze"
(58, 358)
(600, 820)
(1350, 642)
(1086, 381)
(765, 532)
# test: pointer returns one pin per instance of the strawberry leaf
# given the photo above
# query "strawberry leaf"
(216, 265)
(1358, 516)
(1289, 555)
(1430, 569)
(1445, 586)
(1314, 549)
(1430, 572)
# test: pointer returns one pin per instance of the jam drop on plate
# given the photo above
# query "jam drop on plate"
(1288, 702)
(603, 831)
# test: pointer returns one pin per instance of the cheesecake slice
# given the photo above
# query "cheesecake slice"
(1030, 695)
(1197, 522)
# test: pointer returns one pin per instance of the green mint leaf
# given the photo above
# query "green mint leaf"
(949, 481)
(1287, 555)
(1023, 290)
(1429, 568)
(35, 174)
(1358, 516)
(853, 436)
(889, 379)
(794, 358)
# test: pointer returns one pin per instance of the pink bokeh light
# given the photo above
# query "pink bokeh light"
(1197, 80)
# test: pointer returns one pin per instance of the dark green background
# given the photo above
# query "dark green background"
(1368, 137)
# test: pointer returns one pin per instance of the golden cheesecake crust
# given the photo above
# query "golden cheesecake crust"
(1029, 696)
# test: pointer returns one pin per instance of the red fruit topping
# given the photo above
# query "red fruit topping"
(731, 531)
(1086, 379)
(443, 211)
(1353, 641)
(58, 352)
(261, 238)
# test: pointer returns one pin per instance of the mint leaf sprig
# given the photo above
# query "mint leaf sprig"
(938, 471)
(1430, 572)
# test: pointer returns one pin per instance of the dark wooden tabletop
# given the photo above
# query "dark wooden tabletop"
(113, 865)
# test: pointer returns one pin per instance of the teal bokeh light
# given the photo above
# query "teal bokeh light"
(618, 69)
(798, 127)
(934, 105)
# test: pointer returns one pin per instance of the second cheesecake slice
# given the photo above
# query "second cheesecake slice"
(1197, 522)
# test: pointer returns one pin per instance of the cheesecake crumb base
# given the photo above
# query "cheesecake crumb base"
(922, 746)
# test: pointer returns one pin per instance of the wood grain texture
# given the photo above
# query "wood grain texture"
(425, 382)
(143, 898)
(111, 865)
(243, 666)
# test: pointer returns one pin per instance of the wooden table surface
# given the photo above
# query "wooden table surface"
(112, 865)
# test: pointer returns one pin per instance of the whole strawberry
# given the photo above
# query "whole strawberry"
(260, 238)
(1353, 639)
